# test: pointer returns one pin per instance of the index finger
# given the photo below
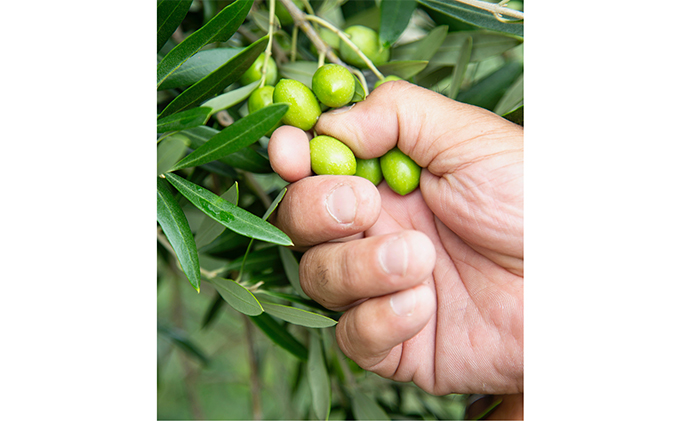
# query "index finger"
(422, 123)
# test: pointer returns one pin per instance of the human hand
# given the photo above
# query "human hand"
(432, 282)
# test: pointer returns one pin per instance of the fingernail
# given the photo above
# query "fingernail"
(341, 204)
(404, 302)
(341, 110)
(394, 256)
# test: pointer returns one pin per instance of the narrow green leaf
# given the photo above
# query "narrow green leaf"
(232, 217)
(422, 49)
(512, 98)
(226, 241)
(298, 316)
(394, 18)
(484, 45)
(199, 66)
(275, 203)
(169, 14)
(301, 71)
(319, 381)
(403, 69)
(488, 91)
(292, 298)
(231, 98)
(280, 336)
(238, 296)
(359, 93)
(237, 136)
(169, 151)
(516, 115)
(461, 67)
(219, 28)
(185, 120)
(245, 159)
(292, 269)
(474, 16)
(217, 80)
(176, 228)
(256, 261)
(184, 343)
(366, 408)
(211, 229)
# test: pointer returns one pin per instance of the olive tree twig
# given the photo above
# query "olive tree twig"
(270, 41)
(349, 43)
(497, 9)
(321, 46)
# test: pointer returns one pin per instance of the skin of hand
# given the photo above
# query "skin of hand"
(431, 282)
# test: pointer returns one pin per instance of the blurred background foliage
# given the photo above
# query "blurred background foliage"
(225, 353)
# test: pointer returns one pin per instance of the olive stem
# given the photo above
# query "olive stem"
(497, 9)
(321, 46)
(268, 50)
(293, 42)
(349, 43)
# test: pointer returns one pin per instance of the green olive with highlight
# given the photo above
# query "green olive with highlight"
(367, 40)
(254, 72)
(260, 98)
(401, 173)
(370, 170)
(331, 157)
(303, 110)
(333, 85)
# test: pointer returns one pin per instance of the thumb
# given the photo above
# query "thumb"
(422, 123)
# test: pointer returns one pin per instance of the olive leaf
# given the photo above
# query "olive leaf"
(176, 228)
(229, 215)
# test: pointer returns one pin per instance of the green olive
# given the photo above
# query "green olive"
(254, 72)
(330, 37)
(368, 42)
(303, 108)
(370, 170)
(401, 173)
(333, 85)
(331, 157)
(387, 79)
(260, 98)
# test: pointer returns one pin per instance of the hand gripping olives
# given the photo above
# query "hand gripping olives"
(333, 85)
(366, 39)
(254, 72)
(303, 108)
(331, 157)
(401, 173)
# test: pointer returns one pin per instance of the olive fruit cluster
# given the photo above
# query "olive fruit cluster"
(332, 85)
(330, 156)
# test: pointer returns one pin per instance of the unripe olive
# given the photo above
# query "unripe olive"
(333, 85)
(370, 170)
(401, 173)
(330, 37)
(254, 72)
(387, 79)
(368, 42)
(303, 110)
(260, 98)
(331, 157)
